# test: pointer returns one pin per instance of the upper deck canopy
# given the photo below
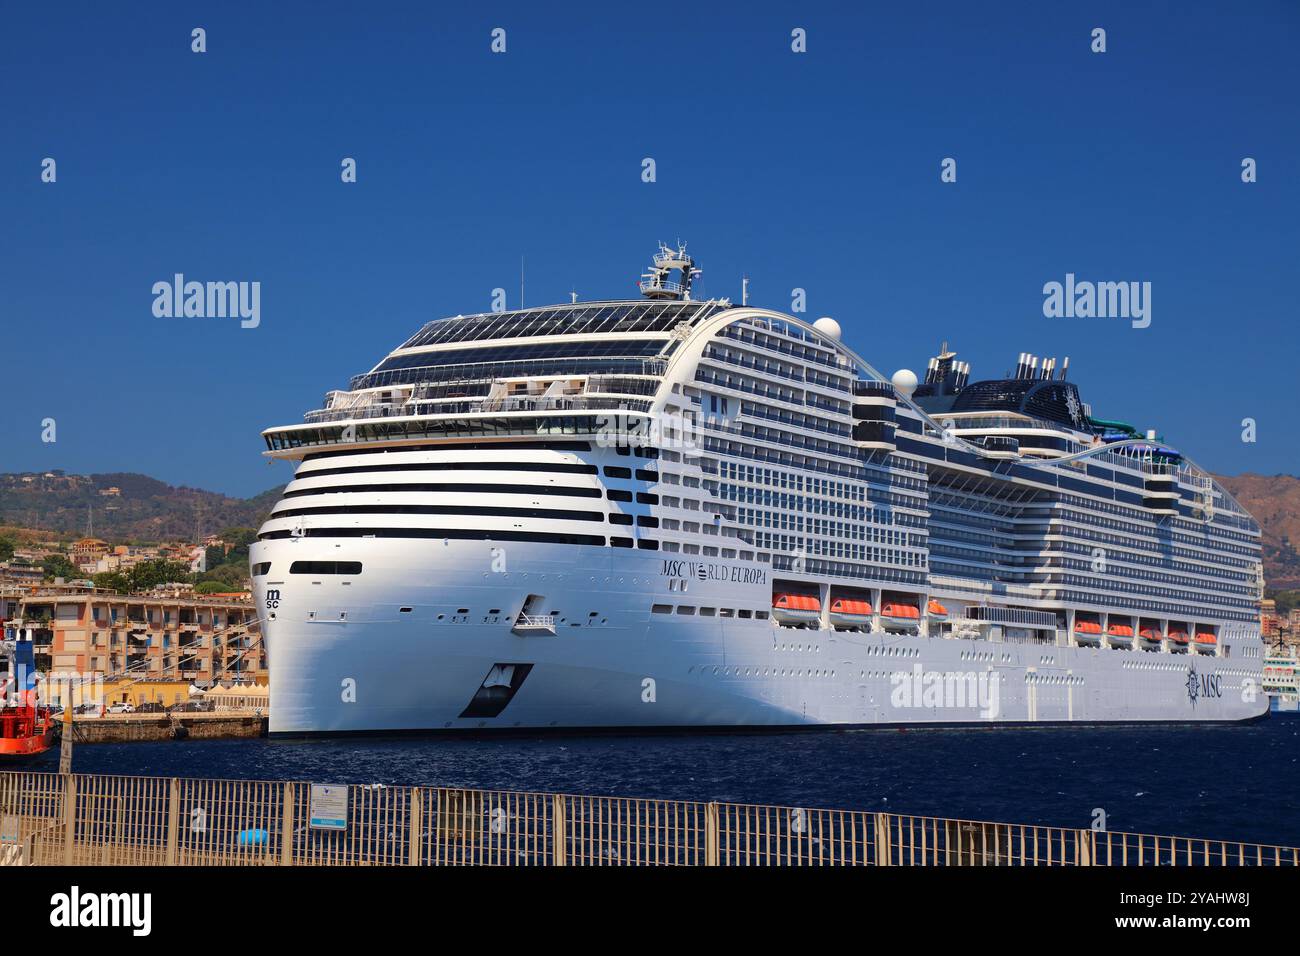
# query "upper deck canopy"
(610, 337)
(579, 318)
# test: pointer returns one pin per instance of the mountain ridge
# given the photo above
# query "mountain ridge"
(124, 506)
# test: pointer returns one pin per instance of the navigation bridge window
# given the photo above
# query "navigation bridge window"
(325, 567)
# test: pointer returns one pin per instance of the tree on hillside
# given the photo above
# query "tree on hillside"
(150, 574)
(6, 548)
(231, 577)
(1286, 601)
(112, 581)
(58, 566)
(239, 537)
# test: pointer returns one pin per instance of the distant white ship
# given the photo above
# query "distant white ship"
(671, 513)
(1282, 680)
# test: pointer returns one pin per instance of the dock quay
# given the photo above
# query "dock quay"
(143, 727)
(109, 820)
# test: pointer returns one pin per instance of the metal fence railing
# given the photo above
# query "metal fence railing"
(89, 820)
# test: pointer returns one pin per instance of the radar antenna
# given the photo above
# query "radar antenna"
(656, 282)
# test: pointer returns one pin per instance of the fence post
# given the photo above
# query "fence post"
(69, 816)
(286, 826)
(883, 849)
(417, 824)
(559, 846)
(711, 834)
(173, 818)
(1085, 854)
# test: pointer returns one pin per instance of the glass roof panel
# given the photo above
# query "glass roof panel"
(578, 318)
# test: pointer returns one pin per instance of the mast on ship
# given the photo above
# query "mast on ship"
(656, 283)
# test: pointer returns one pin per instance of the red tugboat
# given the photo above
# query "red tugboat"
(27, 728)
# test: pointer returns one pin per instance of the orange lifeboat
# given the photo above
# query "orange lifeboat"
(1150, 636)
(937, 611)
(1087, 631)
(1120, 635)
(1178, 641)
(796, 610)
(1206, 642)
(849, 613)
(901, 613)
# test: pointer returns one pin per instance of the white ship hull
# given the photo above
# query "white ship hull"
(345, 658)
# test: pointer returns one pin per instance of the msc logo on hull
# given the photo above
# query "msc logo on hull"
(272, 598)
(1202, 685)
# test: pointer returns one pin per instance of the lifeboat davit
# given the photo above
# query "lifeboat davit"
(1178, 642)
(1120, 635)
(937, 611)
(850, 613)
(1206, 642)
(796, 610)
(1087, 633)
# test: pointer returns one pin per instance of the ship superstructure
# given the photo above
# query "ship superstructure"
(680, 513)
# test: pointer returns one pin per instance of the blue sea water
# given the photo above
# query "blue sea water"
(1230, 782)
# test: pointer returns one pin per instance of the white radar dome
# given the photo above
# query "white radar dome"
(828, 327)
(904, 382)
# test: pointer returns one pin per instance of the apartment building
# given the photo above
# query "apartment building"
(173, 634)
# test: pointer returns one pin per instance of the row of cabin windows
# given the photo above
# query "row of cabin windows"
(642, 497)
(688, 610)
(642, 474)
(643, 521)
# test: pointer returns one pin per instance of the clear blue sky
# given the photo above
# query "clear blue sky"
(818, 170)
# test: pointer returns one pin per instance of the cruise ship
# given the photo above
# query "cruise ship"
(669, 513)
